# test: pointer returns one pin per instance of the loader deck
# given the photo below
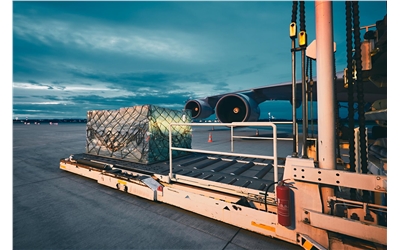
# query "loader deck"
(242, 172)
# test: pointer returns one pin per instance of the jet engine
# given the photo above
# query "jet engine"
(200, 109)
(237, 108)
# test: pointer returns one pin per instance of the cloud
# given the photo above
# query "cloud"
(71, 56)
(166, 45)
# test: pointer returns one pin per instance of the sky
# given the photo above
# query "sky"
(75, 56)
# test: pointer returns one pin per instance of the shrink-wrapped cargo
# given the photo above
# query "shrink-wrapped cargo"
(139, 134)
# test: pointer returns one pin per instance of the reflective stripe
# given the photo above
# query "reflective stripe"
(269, 228)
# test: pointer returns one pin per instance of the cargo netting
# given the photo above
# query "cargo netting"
(138, 134)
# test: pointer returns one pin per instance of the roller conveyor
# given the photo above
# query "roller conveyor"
(227, 170)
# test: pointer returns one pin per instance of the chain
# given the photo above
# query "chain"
(360, 95)
(294, 11)
(349, 43)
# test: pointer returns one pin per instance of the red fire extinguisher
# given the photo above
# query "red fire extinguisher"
(283, 196)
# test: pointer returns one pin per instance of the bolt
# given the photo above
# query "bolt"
(378, 178)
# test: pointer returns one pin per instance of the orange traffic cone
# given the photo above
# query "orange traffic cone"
(210, 137)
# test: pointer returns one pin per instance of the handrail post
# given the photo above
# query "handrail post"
(170, 151)
(275, 152)
(232, 138)
(297, 137)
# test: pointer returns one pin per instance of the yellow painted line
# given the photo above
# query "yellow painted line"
(122, 182)
(63, 166)
(269, 228)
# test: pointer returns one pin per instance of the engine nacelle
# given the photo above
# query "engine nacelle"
(199, 108)
(237, 108)
(298, 102)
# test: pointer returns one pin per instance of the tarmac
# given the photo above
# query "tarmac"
(55, 209)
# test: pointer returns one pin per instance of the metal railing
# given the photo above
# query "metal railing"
(266, 137)
(274, 138)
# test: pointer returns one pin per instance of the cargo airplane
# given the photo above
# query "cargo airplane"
(242, 106)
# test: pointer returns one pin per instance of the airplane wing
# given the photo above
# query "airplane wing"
(241, 106)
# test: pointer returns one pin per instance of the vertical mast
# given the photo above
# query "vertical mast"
(325, 76)
(325, 91)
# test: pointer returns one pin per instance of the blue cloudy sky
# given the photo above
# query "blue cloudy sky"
(71, 57)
